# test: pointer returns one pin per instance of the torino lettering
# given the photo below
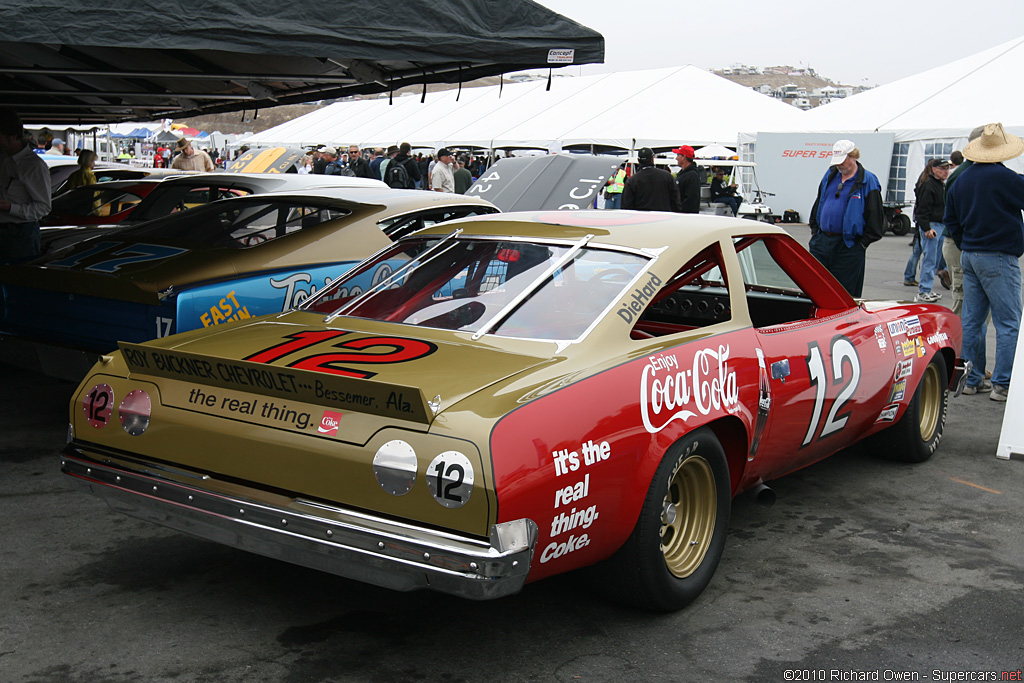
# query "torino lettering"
(709, 384)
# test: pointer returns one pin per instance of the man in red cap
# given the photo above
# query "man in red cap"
(687, 180)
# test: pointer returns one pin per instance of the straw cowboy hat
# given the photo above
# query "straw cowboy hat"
(994, 145)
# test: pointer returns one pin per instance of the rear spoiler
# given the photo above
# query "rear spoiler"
(323, 388)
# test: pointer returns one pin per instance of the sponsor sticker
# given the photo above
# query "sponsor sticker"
(919, 347)
(899, 389)
(897, 327)
(906, 348)
(561, 56)
(880, 336)
(905, 368)
(935, 339)
(329, 423)
(671, 390)
(888, 413)
(913, 324)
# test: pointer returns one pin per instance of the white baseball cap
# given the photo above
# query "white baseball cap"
(840, 150)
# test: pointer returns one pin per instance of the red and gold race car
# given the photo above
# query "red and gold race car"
(520, 395)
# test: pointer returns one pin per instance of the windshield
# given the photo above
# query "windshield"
(504, 287)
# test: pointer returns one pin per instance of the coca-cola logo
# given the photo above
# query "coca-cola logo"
(329, 423)
(669, 392)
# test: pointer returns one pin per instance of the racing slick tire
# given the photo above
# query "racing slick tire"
(916, 436)
(674, 549)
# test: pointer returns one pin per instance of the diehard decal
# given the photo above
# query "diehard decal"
(639, 299)
(708, 384)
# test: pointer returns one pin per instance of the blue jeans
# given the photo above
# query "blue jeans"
(910, 272)
(992, 281)
(931, 253)
(733, 202)
(614, 201)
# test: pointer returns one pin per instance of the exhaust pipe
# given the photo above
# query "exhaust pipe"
(762, 495)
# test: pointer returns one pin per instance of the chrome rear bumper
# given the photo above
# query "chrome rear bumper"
(348, 543)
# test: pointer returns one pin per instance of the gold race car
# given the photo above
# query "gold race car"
(519, 395)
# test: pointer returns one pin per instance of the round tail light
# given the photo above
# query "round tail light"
(135, 410)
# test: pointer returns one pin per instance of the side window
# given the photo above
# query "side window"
(780, 284)
(697, 295)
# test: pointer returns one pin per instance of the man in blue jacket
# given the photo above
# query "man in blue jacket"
(983, 215)
(846, 217)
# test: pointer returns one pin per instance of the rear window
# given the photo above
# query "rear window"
(505, 287)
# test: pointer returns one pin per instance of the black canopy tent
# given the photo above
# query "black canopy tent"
(94, 61)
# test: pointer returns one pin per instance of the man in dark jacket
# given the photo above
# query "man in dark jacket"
(357, 163)
(411, 167)
(687, 180)
(983, 216)
(846, 217)
(929, 206)
(650, 188)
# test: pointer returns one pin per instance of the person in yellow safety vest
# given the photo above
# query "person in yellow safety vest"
(613, 188)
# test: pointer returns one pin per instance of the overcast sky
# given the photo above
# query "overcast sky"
(868, 42)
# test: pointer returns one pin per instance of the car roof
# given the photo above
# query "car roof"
(651, 230)
(383, 195)
(268, 182)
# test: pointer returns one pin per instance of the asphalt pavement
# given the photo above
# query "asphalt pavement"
(864, 569)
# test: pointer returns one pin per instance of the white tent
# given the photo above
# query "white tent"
(947, 101)
(924, 116)
(626, 110)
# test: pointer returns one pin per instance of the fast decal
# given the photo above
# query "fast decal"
(845, 375)
(329, 423)
(225, 311)
(899, 390)
(888, 413)
(880, 336)
(904, 368)
(126, 255)
(668, 392)
(639, 299)
(98, 405)
(395, 350)
(572, 514)
(937, 338)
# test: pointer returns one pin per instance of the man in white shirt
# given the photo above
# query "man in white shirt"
(24, 191)
(442, 178)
